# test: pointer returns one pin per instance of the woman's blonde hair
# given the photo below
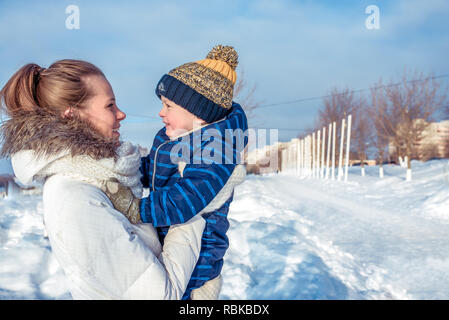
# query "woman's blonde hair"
(60, 86)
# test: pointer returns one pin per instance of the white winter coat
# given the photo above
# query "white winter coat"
(102, 254)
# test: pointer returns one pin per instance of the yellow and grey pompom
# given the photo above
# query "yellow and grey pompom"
(224, 53)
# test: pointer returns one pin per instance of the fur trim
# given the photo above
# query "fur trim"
(49, 134)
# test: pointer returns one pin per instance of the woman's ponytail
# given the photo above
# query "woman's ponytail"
(20, 92)
(54, 89)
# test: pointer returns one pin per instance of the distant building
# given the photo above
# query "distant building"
(434, 142)
(435, 137)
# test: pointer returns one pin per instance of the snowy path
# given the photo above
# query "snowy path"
(290, 238)
(368, 239)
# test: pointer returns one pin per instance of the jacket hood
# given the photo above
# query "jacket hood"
(35, 138)
(48, 134)
(27, 166)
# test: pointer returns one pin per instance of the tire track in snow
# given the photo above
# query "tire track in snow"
(362, 280)
(409, 250)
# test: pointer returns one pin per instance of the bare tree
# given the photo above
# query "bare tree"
(245, 95)
(337, 105)
(383, 126)
(404, 111)
(362, 131)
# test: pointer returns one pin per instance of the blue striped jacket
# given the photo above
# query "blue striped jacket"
(209, 156)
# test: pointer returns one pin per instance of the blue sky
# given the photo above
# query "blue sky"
(289, 49)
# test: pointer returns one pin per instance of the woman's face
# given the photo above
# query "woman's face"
(101, 109)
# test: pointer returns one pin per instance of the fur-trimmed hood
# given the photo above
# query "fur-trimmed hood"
(41, 144)
(48, 134)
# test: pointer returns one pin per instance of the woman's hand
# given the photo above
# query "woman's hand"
(123, 200)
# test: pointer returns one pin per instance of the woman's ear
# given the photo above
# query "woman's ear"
(68, 113)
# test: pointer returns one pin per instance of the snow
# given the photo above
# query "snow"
(290, 238)
(370, 238)
(28, 269)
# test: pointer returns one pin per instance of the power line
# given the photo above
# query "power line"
(352, 91)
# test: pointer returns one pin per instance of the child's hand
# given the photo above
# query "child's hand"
(123, 200)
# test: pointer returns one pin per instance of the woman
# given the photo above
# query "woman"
(63, 131)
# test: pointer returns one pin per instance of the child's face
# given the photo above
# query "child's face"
(177, 120)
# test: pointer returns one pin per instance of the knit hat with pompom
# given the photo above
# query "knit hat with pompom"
(205, 87)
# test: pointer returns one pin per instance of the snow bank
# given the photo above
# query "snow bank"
(290, 238)
(437, 205)
(370, 238)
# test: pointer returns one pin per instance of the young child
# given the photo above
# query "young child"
(192, 167)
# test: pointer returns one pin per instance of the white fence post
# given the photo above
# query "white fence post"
(309, 156)
(294, 143)
(334, 138)
(289, 156)
(303, 158)
(314, 148)
(284, 160)
(348, 143)
(322, 153)
(312, 155)
(340, 156)
(298, 157)
(318, 147)
(293, 157)
(329, 143)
